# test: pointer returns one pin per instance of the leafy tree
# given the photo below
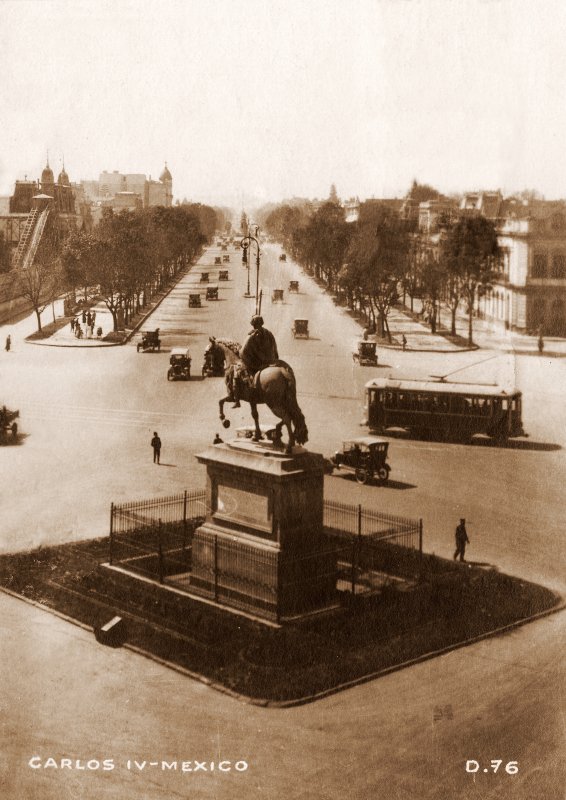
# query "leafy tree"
(471, 254)
(377, 260)
(41, 281)
(77, 261)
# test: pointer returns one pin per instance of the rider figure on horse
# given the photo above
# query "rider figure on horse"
(259, 351)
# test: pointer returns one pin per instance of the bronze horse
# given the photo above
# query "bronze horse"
(275, 386)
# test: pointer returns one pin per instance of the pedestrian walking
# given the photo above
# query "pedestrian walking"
(461, 540)
(404, 342)
(156, 444)
(99, 332)
(88, 319)
(91, 327)
(93, 316)
(540, 342)
(84, 316)
(72, 324)
(8, 343)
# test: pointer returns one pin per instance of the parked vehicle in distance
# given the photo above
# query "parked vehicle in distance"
(8, 424)
(442, 410)
(212, 292)
(180, 364)
(150, 341)
(194, 300)
(366, 457)
(365, 354)
(300, 329)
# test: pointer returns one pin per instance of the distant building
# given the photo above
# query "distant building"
(113, 188)
(352, 209)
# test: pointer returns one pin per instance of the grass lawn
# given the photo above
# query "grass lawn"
(450, 604)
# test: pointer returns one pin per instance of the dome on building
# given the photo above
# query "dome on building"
(63, 178)
(47, 174)
(165, 175)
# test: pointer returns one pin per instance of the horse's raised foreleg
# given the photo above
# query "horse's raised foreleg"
(257, 435)
(225, 422)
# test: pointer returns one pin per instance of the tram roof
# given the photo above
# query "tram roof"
(445, 387)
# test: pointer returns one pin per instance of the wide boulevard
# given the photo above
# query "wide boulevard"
(87, 417)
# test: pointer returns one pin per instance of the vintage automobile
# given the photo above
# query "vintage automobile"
(217, 260)
(224, 247)
(150, 341)
(300, 329)
(180, 364)
(213, 364)
(294, 286)
(365, 354)
(8, 425)
(212, 292)
(219, 243)
(223, 275)
(277, 296)
(282, 257)
(204, 277)
(226, 259)
(194, 300)
(366, 457)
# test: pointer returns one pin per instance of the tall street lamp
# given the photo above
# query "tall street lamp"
(245, 243)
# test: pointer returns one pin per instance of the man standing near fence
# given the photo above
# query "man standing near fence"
(156, 444)
(461, 540)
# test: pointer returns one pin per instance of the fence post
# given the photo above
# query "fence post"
(160, 552)
(216, 568)
(185, 520)
(111, 543)
(420, 548)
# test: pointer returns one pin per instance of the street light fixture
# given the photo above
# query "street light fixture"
(245, 243)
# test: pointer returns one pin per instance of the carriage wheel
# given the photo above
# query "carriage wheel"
(363, 475)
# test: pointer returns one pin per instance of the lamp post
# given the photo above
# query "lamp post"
(245, 243)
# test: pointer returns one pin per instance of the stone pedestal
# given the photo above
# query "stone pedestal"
(262, 547)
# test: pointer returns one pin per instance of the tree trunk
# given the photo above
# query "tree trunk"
(453, 325)
(38, 315)
(470, 332)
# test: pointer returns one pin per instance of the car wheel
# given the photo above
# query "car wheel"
(169, 375)
(362, 475)
(383, 474)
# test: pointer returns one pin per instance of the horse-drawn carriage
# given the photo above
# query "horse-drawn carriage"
(212, 292)
(223, 275)
(300, 329)
(366, 457)
(8, 425)
(194, 300)
(180, 364)
(365, 354)
(294, 286)
(213, 365)
(150, 341)
(277, 296)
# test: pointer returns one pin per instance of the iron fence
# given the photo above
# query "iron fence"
(154, 536)
(368, 549)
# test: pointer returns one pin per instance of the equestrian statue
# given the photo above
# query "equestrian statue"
(256, 374)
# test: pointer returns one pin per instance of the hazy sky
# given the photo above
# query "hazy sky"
(256, 100)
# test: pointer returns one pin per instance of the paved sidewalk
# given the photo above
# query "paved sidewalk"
(65, 337)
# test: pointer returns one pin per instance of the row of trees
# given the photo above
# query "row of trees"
(382, 256)
(124, 260)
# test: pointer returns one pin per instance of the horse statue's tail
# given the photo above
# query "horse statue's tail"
(297, 416)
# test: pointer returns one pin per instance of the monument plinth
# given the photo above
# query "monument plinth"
(262, 546)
